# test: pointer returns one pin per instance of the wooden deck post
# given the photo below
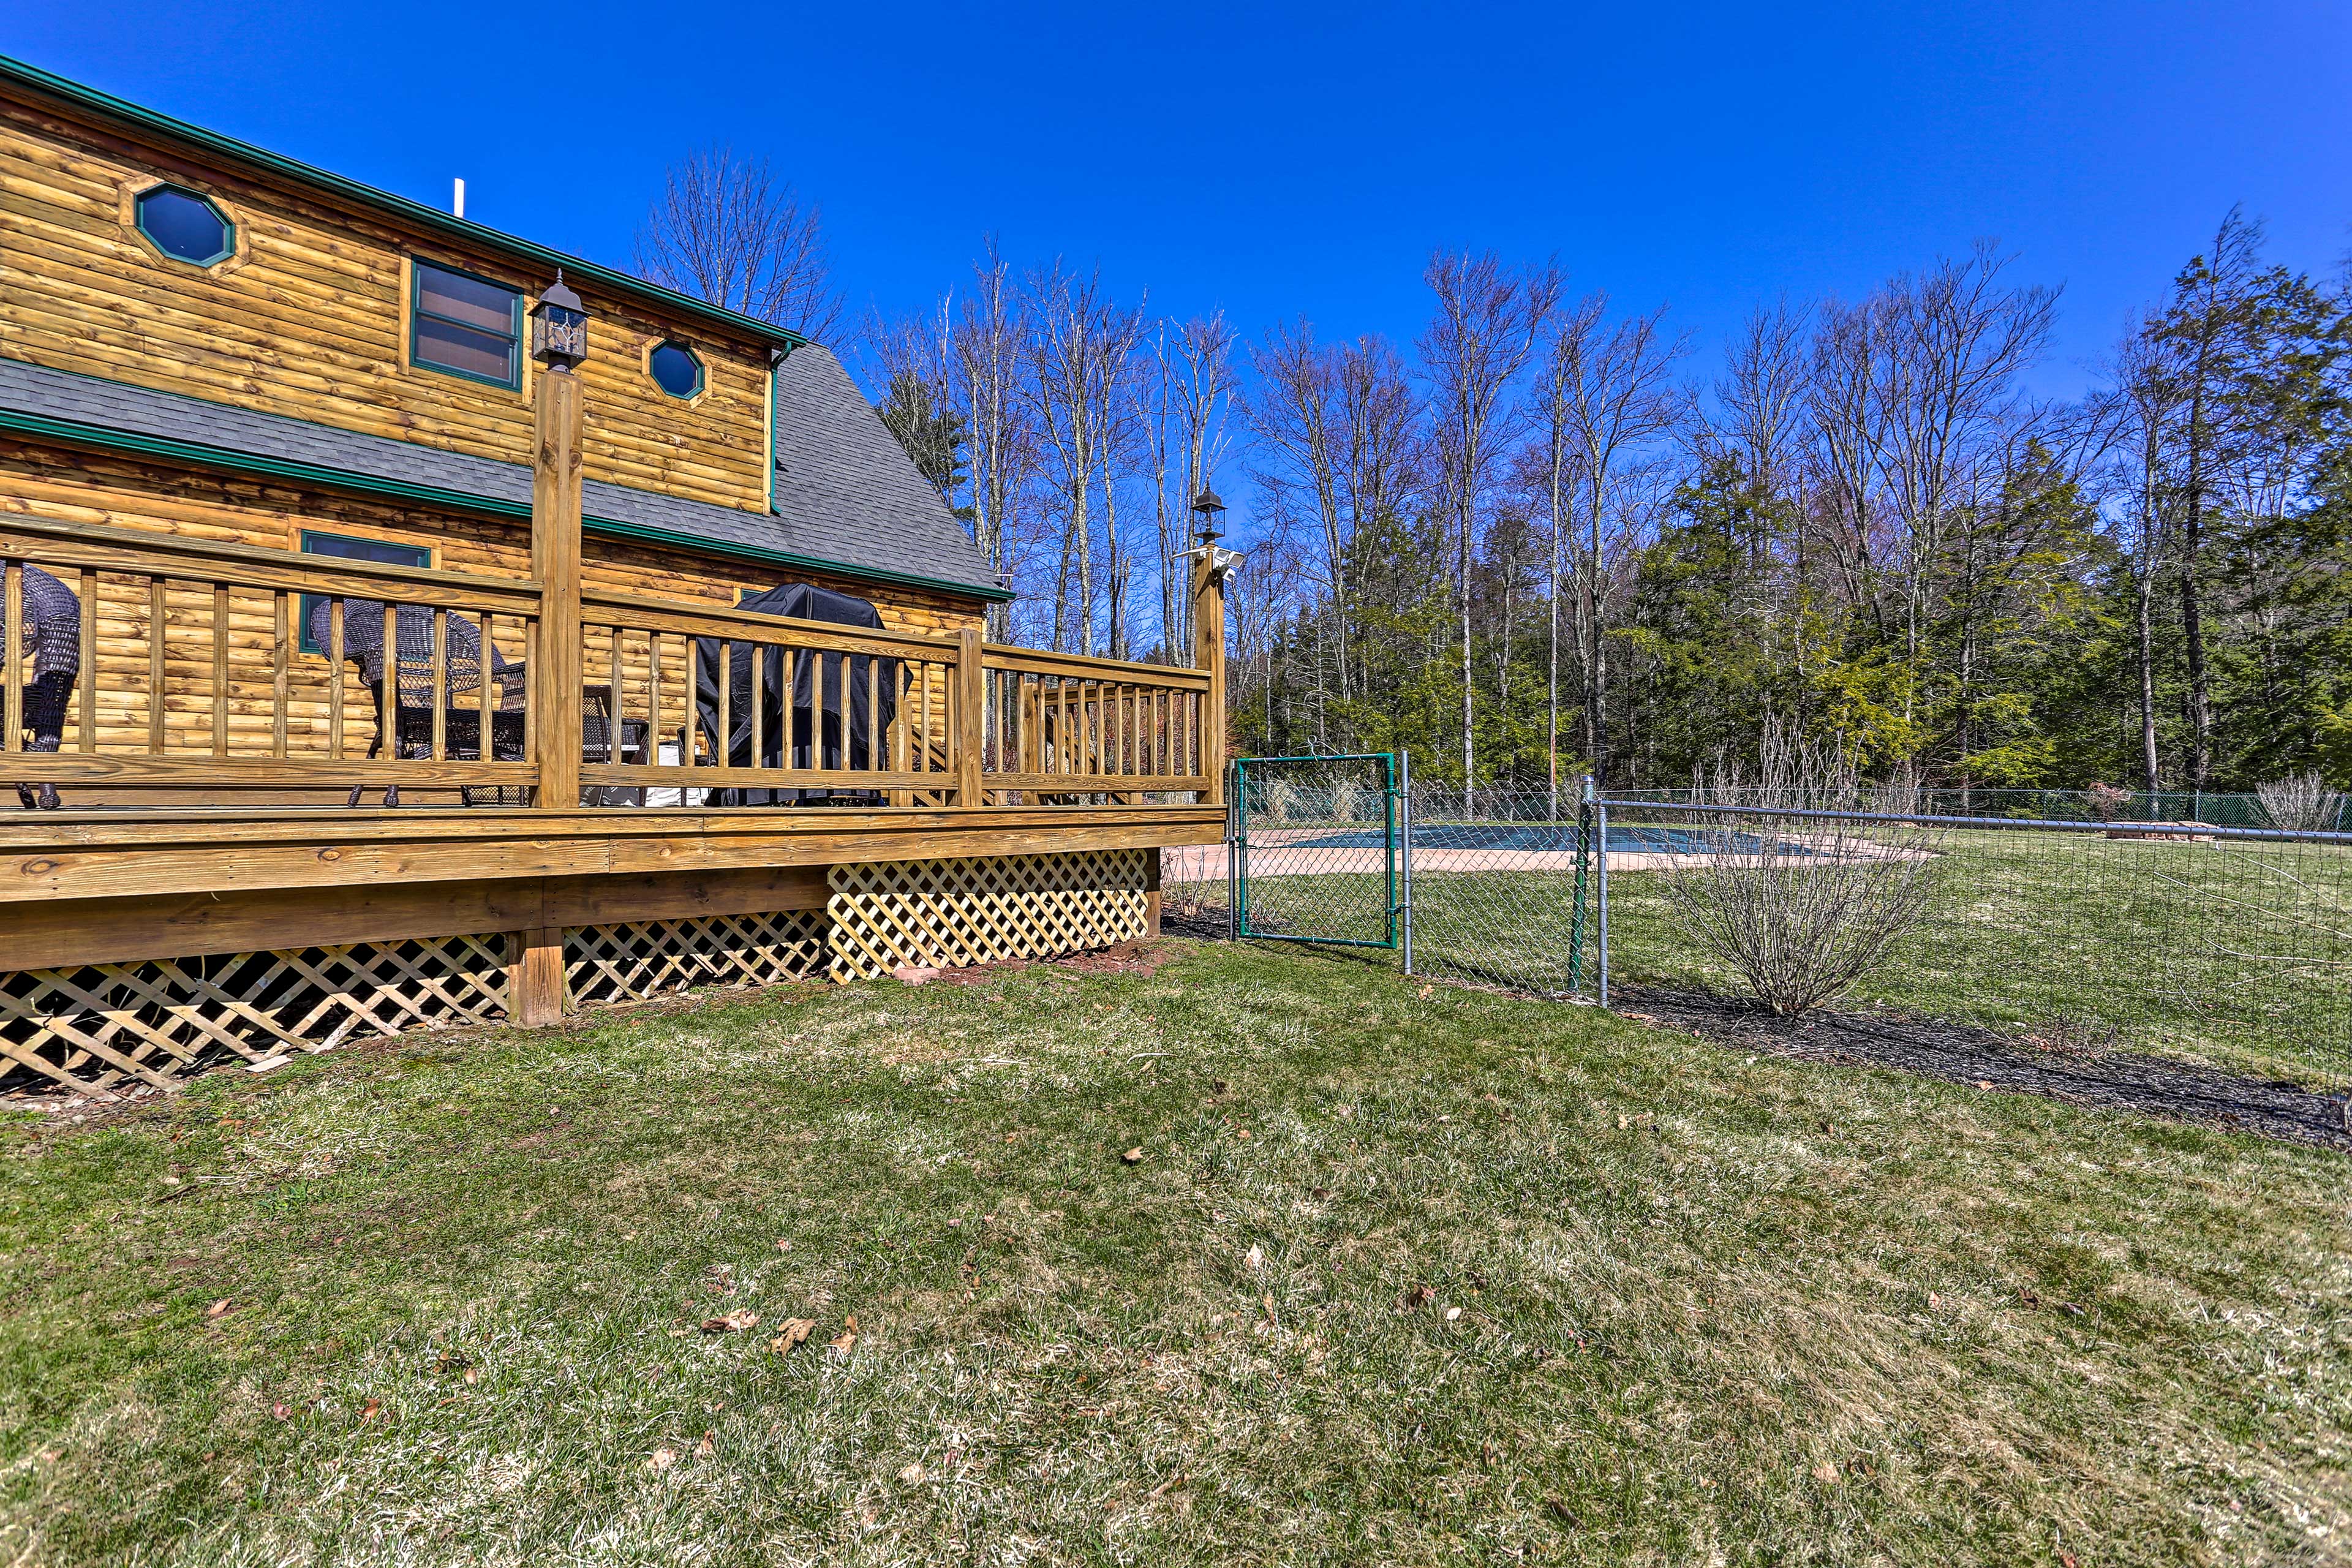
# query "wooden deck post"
(970, 715)
(1209, 654)
(535, 990)
(555, 562)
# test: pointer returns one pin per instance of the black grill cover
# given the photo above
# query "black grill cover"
(818, 734)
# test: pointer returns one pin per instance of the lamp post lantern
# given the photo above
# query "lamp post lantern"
(558, 327)
(1209, 515)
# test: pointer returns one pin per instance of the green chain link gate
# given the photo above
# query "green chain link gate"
(1318, 851)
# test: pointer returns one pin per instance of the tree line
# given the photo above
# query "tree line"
(1544, 539)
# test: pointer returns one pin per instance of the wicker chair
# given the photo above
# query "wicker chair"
(53, 625)
(410, 731)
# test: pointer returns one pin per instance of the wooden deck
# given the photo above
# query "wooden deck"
(205, 755)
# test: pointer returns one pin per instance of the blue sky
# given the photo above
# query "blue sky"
(1285, 160)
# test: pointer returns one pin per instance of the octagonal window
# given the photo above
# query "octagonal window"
(185, 226)
(674, 369)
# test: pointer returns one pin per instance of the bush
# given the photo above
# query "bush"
(1801, 907)
(2301, 802)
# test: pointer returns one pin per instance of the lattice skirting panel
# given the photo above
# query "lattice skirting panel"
(949, 913)
(106, 1027)
(653, 958)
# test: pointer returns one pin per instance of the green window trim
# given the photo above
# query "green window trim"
(701, 374)
(384, 550)
(418, 315)
(228, 225)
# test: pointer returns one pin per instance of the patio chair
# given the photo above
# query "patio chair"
(53, 627)
(410, 731)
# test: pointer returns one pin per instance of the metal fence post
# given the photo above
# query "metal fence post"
(1404, 855)
(1601, 833)
(1236, 804)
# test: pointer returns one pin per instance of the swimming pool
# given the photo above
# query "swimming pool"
(1555, 837)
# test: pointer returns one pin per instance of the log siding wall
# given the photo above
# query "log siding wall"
(309, 317)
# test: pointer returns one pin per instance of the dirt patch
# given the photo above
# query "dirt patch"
(1140, 957)
(2052, 1065)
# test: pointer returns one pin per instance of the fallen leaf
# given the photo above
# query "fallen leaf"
(1427, 989)
(841, 1343)
(661, 1458)
(368, 1411)
(1560, 1510)
(1170, 1485)
(1241, 1131)
(1452, 1314)
(707, 1447)
(1934, 1300)
(1418, 1297)
(741, 1317)
(1984, 1083)
(1254, 1257)
(1133, 1156)
(793, 1331)
(473, 1375)
(849, 1320)
(218, 1308)
(281, 1411)
(1826, 1473)
(783, 1245)
(2067, 1559)
(911, 1474)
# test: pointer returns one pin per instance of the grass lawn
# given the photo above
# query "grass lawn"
(2231, 956)
(1394, 1279)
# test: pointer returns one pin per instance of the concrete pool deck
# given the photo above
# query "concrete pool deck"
(1293, 852)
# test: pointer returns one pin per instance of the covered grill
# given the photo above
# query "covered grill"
(822, 735)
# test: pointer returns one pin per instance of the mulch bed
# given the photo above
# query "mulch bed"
(1982, 1058)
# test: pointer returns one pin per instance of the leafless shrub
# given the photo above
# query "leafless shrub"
(2301, 802)
(1802, 909)
(2107, 802)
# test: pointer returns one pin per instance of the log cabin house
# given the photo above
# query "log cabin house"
(365, 669)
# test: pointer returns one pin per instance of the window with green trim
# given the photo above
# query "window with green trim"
(465, 325)
(675, 369)
(348, 549)
(185, 226)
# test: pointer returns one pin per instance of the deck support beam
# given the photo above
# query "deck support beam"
(535, 990)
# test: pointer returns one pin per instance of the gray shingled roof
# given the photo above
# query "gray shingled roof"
(842, 501)
(842, 478)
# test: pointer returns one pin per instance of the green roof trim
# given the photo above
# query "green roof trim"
(574, 268)
(131, 444)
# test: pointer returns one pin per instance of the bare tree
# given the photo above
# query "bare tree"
(2148, 400)
(725, 230)
(988, 348)
(1619, 394)
(1488, 321)
(1078, 347)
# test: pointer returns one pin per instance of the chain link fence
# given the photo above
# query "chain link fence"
(2226, 945)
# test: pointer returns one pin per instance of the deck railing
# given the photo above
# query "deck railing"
(206, 666)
